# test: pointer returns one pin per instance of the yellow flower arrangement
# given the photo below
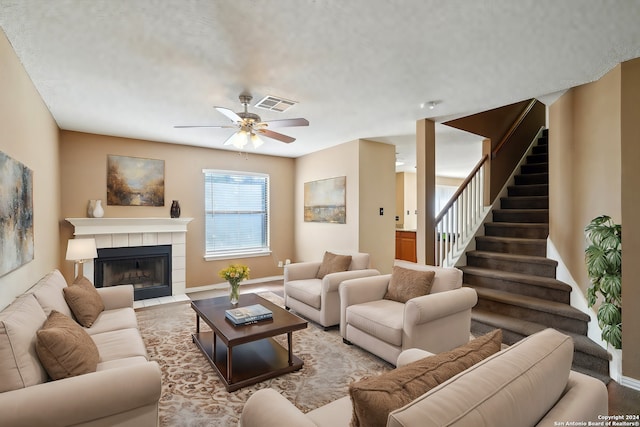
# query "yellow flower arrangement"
(234, 274)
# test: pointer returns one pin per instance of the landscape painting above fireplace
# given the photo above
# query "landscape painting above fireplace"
(16, 214)
(134, 181)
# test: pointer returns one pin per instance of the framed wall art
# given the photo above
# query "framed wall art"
(134, 181)
(16, 214)
(325, 200)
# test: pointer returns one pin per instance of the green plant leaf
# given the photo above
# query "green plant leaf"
(613, 335)
(592, 295)
(596, 261)
(609, 314)
(611, 285)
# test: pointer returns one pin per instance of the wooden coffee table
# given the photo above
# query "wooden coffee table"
(245, 355)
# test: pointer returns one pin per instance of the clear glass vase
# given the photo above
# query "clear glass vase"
(233, 293)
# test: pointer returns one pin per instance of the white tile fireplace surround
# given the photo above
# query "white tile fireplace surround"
(130, 232)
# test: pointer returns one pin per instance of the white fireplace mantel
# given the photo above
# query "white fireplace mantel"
(98, 226)
(131, 232)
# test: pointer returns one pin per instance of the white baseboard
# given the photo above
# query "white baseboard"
(630, 382)
(224, 285)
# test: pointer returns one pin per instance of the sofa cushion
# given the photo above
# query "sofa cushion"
(20, 366)
(359, 261)
(49, 293)
(119, 344)
(374, 398)
(519, 386)
(114, 320)
(333, 263)
(64, 348)
(307, 291)
(382, 319)
(84, 301)
(406, 284)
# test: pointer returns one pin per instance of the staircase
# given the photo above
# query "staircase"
(516, 284)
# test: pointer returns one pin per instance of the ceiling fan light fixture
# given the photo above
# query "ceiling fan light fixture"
(240, 139)
(256, 140)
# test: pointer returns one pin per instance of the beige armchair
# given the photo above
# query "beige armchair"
(436, 322)
(317, 298)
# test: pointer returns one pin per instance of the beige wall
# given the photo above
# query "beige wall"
(406, 200)
(584, 166)
(377, 190)
(367, 166)
(594, 157)
(83, 160)
(30, 135)
(630, 155)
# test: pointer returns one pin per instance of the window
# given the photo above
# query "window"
(236, 214)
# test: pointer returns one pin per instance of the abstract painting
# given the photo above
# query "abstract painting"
(16, 214)
(134, 181)
(325, 200)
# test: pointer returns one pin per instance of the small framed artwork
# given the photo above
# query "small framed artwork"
(134, 181)
(16, 214)
(325, 200)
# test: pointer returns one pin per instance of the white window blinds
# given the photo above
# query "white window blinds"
(236, 213)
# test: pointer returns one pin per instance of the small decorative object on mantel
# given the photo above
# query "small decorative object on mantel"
(175, 209)
(98, 211)
(234, 274)
(91, 206)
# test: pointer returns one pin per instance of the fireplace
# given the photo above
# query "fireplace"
(147, 268)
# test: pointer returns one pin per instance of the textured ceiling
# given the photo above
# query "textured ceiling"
(358, 68)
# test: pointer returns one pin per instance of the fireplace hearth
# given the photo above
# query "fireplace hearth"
(147, 268)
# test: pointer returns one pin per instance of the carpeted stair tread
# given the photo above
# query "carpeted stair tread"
(515, 258)
(529, 279)
(497, 320)
(515, 329)
(528, 190)
(532, 303)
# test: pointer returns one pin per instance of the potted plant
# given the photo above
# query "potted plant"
(603, 257)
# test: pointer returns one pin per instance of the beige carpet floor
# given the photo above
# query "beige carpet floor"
(193, 395)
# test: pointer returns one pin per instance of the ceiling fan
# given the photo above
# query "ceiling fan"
(251, 127)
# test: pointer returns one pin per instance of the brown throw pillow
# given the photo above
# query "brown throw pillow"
(374, 398)
(333, 263)
(84, 301)
(406, 284)
(64, 348)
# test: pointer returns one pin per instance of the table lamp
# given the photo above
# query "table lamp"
(81, 251)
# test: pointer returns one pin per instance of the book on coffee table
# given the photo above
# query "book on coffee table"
(248, 314)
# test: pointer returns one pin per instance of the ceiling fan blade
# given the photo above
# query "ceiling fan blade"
(275, 135)
(285, 123)
(205, 126)
(230, 114)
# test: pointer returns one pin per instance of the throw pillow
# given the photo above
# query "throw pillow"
(406, 284)
(84, 300)
(374, 398)
(333, 263)
(64, 348)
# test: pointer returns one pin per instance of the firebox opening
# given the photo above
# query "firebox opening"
(147, 268)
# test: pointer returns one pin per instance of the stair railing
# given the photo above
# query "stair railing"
(457, 222)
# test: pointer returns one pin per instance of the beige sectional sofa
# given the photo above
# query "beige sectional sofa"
(123, 391)
(528, 384)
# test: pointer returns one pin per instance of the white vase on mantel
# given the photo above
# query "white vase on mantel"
(98, 211)
(91, 206)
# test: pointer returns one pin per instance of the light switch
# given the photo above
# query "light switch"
(381, 211)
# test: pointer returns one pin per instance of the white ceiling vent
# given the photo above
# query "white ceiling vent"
(275, 103)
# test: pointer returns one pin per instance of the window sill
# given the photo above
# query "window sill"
(236, 255)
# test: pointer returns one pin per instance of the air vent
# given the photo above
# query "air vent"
(274, 103)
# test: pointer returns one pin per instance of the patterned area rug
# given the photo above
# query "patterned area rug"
(193, 395)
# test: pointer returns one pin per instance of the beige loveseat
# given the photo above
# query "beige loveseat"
(123, 391)
(317, 298)
(527, 384)
(438, 321)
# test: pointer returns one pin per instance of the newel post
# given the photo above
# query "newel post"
(486, 151)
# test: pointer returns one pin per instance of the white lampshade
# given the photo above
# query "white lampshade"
(81, 249)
